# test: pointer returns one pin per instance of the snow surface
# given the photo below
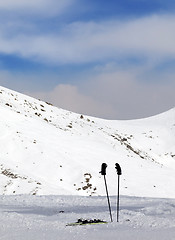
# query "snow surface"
(50, 161)
(45, 217)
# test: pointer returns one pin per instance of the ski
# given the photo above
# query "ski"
(81, 222)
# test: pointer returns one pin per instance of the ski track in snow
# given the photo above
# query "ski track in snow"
(45, 217)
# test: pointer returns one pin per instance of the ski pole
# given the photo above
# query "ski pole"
(103, 172)
(119, 172)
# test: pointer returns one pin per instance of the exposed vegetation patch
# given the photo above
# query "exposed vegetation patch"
(124, 141)
(70, 125)
(87, 185)
(38, 114)
(45, 119)
(9, 105)
(49, 103)
(8, 173)
(11, 176)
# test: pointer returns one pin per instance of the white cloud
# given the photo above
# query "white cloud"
(111, 94)
(114, 95)
(130, 96)
(70, 98)
(48, 7)
(151, 37)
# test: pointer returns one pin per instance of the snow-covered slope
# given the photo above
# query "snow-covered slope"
(47, 150)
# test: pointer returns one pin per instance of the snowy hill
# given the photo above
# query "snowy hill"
(47, 150)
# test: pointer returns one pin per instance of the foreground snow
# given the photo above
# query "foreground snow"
(45, 217)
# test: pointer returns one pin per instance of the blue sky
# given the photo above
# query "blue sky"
(111, 59)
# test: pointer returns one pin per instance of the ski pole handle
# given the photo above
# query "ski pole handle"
(118, 169)
(103, 168)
